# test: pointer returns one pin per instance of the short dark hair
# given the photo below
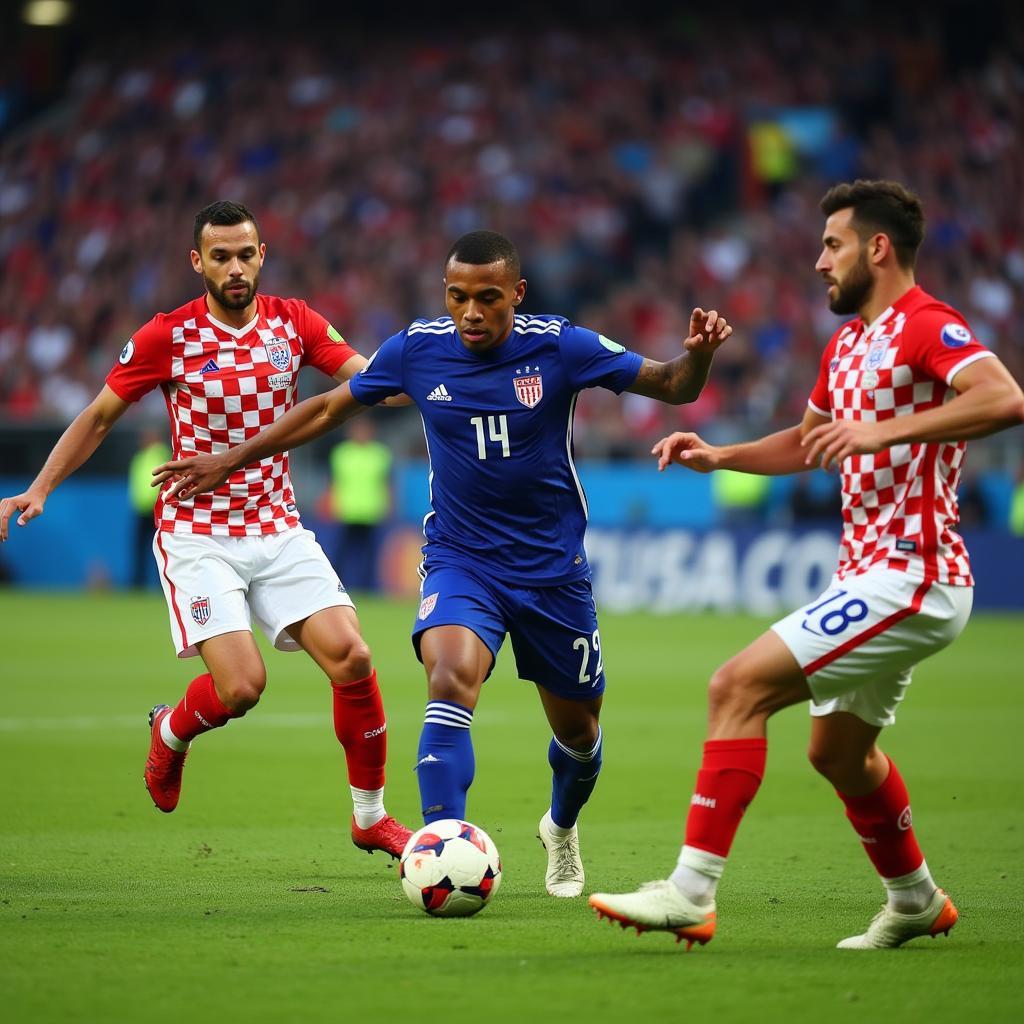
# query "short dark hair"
(483, 247)
(223, 212)
(881, 206)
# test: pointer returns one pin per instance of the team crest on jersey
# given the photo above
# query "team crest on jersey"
(200, 609)
(279, 353)
(529, 390)
(876, 353)
(427, 605)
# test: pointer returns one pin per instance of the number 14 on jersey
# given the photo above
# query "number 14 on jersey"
(497, 431)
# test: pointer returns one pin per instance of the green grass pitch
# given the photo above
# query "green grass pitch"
(249, 903)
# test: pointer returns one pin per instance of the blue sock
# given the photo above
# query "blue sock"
(574, 775)
(445, 762)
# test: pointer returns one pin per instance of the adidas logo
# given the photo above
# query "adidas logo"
(210, 367)
(439, 394)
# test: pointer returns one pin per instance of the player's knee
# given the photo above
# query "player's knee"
(835, 764)
(242, 692)
(727, 690)
(580, 736)
(448, 682)
(353, 661)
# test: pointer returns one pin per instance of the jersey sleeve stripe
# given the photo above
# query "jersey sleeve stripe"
(967, 362)
(814, 408)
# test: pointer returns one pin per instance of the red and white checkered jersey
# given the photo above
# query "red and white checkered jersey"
(899, 505)
(223, 385)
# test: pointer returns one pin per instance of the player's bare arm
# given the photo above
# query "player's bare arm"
(775, 455)
(76, 445)
(988, 399)
(682, 379)
(304, 422)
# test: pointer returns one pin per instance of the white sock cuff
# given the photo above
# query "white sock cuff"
(581, 755)
(169, 738)
(443, 712)
(908, 881)
(710, 864)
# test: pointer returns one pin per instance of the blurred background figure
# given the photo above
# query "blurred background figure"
(152, 451)
(740, 498)
(360, 501)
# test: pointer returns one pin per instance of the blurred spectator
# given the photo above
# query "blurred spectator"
(360, 502)
(741, 498)
(815, 497)
(1017, 508)
(152, 451)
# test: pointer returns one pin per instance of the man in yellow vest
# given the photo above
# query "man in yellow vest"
(360, 501)
(152, 451)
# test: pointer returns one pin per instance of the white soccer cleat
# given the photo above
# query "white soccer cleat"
(658, 906)
(565, 865)
(890, 928)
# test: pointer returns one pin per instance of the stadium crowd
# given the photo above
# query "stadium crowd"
(637, 176)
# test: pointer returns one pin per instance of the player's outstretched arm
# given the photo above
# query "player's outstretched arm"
(76, 444)
(682, 379)
(304, 422)
(988, 400)
(773, 455)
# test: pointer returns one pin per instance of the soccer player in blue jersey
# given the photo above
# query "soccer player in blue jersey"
(504, 538)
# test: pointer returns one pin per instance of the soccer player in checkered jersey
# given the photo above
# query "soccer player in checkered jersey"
(227, 364)
(901, 387)
(504, 554)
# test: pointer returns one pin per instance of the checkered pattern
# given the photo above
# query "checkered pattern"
(249, 384)
(899, 505)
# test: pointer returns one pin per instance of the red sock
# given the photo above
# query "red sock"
(883, 821)
(361, 728)
(199, 711)
(728, 780)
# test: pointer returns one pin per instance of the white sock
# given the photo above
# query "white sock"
(910, 894)
(168, 737)
(368, 806)
(556, 830)
(696, 875)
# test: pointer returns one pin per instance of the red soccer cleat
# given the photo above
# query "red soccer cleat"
(163, 766)
(387, 835)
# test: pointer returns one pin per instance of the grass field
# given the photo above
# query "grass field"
(249, 903)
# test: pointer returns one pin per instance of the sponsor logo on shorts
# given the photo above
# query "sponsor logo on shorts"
(905, 822)
(702, 801)
(200, 609)
(427, 605)
(379, 731)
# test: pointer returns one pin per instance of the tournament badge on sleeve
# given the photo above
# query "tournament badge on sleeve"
(529, 390)
(200, 609)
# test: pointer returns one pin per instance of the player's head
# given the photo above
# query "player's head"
(482, 288)
(871, 227)
(228, 253)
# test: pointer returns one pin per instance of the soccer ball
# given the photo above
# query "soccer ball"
(450, 868)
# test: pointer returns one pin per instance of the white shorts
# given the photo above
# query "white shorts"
(216, 585)
(859, 641)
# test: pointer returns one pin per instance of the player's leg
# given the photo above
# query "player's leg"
(457, 662)
(844, 750)
(742, 695)
(204, 586)
(232, 684)
(300, 603)
(575, 756)
(332, 639)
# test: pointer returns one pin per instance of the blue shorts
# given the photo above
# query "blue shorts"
(553, 629)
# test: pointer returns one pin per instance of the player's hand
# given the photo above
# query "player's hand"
(707, 331)
(688, 450)
(830, 443)
(192, 475)
(28, 504)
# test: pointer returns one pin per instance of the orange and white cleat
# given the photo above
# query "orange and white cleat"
(164, 765)
(387, 835)
(658, 906)
(890, 928)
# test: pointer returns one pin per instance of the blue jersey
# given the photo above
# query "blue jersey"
(504, 493)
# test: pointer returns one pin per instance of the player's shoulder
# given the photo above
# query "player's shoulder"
(283, 307)
(931, 320)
